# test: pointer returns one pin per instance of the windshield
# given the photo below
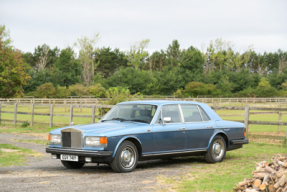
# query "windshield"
(131, 112)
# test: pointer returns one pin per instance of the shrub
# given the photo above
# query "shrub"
(46, 90)
(98, 90)
(62, 92)
(179, 93)
(266, 92)
(197, 88)
(79, 90)
(248, 92)
(25, 124)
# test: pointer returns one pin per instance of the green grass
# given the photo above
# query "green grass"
(15, 158)
(238, 164)
(8, 128)
(39, 142)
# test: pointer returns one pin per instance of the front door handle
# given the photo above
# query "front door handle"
(209, 126)
(182, 128)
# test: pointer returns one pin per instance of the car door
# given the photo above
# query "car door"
(169, 136)
(199, 127)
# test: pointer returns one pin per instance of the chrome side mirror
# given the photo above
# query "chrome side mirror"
(166, 120)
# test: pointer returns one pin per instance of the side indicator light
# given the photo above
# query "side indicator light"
(49, 137)
(103, 140)
(244, 131)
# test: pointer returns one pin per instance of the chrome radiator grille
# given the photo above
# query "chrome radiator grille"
(72, 138)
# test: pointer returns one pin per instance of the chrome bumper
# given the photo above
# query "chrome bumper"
(86, 153)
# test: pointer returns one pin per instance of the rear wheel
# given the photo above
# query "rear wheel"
(126, 158)
(216, 151)
(72, 165)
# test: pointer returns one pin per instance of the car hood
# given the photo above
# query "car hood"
(103, 128)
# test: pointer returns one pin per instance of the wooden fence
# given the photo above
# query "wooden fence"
(52, 114)
(279, 102)
(94, 107)
(266, 110)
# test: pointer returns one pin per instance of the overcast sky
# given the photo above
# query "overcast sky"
(121, 23)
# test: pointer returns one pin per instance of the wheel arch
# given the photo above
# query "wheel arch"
(223, 135)
(134, 140)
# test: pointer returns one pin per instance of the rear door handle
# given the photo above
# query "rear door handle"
(182, 128)
(209, 126)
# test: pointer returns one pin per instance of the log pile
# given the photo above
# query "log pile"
(268, 177)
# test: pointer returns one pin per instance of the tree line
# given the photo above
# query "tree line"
(217, 70)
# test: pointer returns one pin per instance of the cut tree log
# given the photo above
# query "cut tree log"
(259, 175)
(257, 183)
(285, 189)
(280, 174)
(280, 182)
(268, 169)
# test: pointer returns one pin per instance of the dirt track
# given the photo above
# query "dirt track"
(45, 174)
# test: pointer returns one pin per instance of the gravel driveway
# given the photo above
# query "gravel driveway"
(46, 174)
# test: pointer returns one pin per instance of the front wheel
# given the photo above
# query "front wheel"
(216, 151)
(126, 158)
(72, 165)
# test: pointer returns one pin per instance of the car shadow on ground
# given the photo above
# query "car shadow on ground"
(148, 165)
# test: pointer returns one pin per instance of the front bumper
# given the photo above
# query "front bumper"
(83, 153)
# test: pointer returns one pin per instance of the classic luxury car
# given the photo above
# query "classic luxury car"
(140, 130)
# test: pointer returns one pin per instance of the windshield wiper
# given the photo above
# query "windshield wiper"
(139, 120)
(118, 119)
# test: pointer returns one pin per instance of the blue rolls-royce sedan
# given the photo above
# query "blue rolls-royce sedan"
(140, 130)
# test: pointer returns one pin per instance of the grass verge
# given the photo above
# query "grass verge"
(38, 142)
(238, 164)
(8, 128)
(17, 156)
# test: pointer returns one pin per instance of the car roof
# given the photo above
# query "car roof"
(159, 102)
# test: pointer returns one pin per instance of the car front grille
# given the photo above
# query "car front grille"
(72, 138)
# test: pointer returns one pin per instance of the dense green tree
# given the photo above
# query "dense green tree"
(133, 79)
(109, 61)
(67, 70)
(192, 60)
(173, 53)
(12, 73)
(38, 78)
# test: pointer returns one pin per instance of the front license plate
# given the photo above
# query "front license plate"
(69, 158)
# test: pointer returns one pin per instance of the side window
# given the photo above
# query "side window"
(171, 111)
(190, 113)
(204, 115)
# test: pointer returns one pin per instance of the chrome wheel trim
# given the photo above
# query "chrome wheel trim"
(128, 156)
(218, 149)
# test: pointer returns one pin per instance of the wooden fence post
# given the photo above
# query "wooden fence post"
(279, 120)
(229, 102)
(15, 114)
(246, 120)
(93, 113)
(51, 114)
(32, 114)
(71, 115)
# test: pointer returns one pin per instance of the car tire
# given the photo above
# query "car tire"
(72, 165)
(216, 151)
(126, 158)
